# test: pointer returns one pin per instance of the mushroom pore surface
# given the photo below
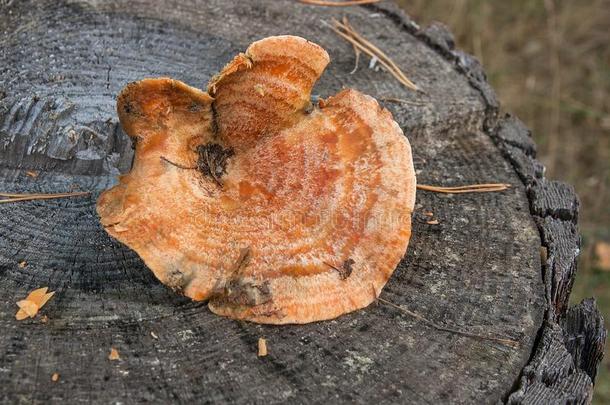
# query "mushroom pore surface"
(247, 195)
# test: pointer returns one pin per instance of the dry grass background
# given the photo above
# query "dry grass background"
(549, 61)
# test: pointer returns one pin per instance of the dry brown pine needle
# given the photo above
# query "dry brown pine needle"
(9, 198)
(262, 347)
(114, 354)
(29, 307)
(403, 101)
(504, 341)
(472, 188)
(356, 50)
(347, 32)
(338, 3)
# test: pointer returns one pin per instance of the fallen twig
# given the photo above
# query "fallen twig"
(338, 3)
(504, 341)
(9, 198)
(472, 188)
(347, 32)
(262, 347)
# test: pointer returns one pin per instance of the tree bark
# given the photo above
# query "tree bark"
(479, 269)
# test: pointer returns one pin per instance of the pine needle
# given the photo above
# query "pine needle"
(9, 198)
(356, 50)
(403, 101)
(347, 32)
(472, 188)
(338, 3)
(504, 341)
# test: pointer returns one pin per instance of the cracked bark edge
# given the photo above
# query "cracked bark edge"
(570, 344)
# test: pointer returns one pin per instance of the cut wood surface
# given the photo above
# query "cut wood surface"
(478, 269)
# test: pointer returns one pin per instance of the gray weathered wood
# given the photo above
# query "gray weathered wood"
(61, 65)
(571, 341)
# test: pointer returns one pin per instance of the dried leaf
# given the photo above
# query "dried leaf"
(21, 315)
(29, 307)
(40, 296)
(35, 300)
(37, 295)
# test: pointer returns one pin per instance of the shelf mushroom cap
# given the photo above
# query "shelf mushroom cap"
(274, 210)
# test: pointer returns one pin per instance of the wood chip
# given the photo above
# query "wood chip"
(55, 377)
(428, 213)
(154, 335)
(262, 347)
(32, 173)
(29, 307)
(23, 264)
(114, 354)
(432, 222)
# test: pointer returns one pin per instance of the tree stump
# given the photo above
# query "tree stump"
(478, 269)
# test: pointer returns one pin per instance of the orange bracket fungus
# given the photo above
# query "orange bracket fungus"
(247, 195)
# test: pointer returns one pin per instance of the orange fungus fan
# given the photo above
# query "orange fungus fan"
(274, 210)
